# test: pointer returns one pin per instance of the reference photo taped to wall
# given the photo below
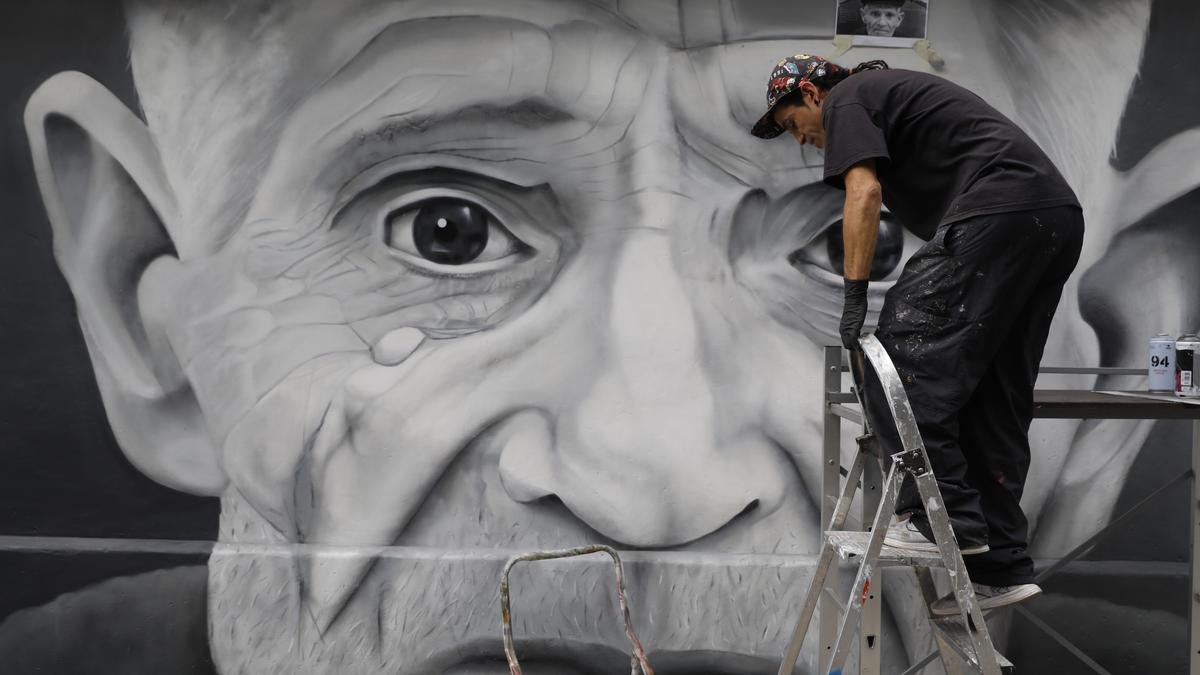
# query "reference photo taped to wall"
(883, 23)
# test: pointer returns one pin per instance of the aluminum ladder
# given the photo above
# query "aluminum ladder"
(963, 641)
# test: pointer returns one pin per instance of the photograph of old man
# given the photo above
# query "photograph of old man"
(882, 18)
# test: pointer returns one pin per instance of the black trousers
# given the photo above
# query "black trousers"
(965, 325)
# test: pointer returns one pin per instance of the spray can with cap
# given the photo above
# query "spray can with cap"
(1187, 385)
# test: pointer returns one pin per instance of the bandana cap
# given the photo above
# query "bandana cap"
(786, 77)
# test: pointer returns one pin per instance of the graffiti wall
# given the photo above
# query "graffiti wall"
(318, 312)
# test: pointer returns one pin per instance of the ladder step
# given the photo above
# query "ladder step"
(956, 635)
(850, 544)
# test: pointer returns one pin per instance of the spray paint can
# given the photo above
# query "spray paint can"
(1186, 383)
(1162, 363)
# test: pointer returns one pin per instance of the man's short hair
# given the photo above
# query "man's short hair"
(894, 3)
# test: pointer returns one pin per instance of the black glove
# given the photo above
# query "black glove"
(854, 312)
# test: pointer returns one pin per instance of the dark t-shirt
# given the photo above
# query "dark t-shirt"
(942, 153)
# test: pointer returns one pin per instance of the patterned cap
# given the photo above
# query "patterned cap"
(786, 77)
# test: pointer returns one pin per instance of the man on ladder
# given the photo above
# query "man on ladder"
(966, 322)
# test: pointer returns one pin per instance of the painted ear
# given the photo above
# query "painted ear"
(112, 213)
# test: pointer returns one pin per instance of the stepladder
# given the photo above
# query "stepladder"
(963, 641)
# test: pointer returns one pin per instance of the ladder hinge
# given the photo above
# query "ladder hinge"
(911, 461)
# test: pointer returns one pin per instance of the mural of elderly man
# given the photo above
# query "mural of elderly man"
(410, 286)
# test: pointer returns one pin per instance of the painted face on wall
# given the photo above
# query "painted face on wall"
(413, 286)
(1139, 244)
(881, 18)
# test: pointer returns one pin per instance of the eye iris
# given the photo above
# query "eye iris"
(450, 231)
(889, 249)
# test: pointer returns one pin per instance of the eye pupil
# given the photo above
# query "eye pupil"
(450, 231)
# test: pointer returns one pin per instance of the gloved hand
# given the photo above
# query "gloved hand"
(854, 312)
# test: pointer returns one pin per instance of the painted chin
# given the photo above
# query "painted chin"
(427, 612)
(565, 658)
(430, 603)
(423, 612)
(881, 30)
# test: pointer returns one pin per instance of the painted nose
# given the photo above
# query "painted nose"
(642, 456)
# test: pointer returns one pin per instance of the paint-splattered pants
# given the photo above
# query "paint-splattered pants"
(966, 324)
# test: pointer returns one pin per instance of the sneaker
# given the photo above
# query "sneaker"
(988, 597)
(905, 535)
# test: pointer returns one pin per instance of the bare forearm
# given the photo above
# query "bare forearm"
(860, 227)
(860, 220)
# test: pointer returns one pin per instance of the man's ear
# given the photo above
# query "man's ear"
(113, 213)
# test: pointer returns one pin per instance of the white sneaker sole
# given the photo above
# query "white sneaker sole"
(947, 607)
(928, 547)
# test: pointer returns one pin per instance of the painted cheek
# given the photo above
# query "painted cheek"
(237, 337)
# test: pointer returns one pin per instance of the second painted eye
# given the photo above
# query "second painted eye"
(889, 248)
(450, 231)
(826, 251)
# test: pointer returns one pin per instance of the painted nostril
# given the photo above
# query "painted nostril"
(744, 513)
(526, 467)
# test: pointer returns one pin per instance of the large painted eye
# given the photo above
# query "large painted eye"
(450, 231)
(827, 252)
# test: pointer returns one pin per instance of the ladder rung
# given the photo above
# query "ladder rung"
(851, 544)
(957, 636)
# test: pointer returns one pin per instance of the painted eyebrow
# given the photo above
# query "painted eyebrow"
(530, 113)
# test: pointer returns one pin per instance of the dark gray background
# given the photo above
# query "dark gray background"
(61, 473)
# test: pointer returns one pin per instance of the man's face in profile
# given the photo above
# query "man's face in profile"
(466, 280)
(881, 18)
